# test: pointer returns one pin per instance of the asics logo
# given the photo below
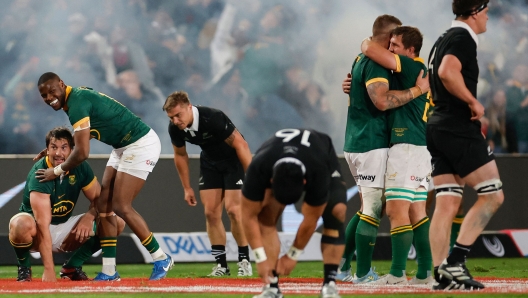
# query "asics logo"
(494, 246)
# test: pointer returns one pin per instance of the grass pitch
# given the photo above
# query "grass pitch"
(496, 268)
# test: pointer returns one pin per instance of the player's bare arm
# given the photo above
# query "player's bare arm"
(385, 99)
(238, 142)
(181, 161)
(254, 236)
(450, 73)
(80, 153)
(41, 205)
(379, 54)
(304, 233)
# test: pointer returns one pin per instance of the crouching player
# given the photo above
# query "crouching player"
(45, 223)
(295, 164)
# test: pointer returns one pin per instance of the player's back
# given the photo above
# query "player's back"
(366, 125)
(110, 121)
(450, 111)
(408, 122)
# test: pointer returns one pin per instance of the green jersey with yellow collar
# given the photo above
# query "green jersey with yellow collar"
(110, 122)
(366, 127)
(64, 190)
(408, 122)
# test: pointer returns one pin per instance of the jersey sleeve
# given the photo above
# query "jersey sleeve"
(221, 126)
(255, 183)
(34, 185)
(463, 47)
(176, 138)
(79, 111)
(375, 73)
(88, 178)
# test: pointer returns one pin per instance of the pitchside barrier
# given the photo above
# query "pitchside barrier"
(180, 228)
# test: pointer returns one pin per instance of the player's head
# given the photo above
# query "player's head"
(179, 109)
(382, 27)
(474, 10)
(406, 41)
(288, 180)
(59, 143)
(52, 89)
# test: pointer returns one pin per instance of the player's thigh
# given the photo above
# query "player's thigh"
(233, 182)
(126, 187)
(487, 172)
(368, 168)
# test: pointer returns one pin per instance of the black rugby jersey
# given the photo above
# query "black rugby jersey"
(314, 149)
(450, 111)
(213, 128)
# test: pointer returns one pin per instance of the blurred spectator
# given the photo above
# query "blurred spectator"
(517, 105)
(501, 132)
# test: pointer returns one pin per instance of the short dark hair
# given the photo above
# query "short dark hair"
(46, 77)
(411, 37)
(465, 8)
(383, 23)
(288, 182)
(60, 133)
(176, 98)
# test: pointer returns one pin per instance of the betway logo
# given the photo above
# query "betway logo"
(367, 177)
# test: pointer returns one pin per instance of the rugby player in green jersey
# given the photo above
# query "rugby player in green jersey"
(136, 152)
(409, 163)
(45, 223)
(367, 142)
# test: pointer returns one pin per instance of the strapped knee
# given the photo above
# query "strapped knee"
(109, 214)
(372, 201)
(488, 187)
(449, 189)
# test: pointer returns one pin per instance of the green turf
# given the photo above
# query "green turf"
(500, 268)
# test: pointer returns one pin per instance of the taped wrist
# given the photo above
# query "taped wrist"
(294, 253)
(58, 170)
(260, 255)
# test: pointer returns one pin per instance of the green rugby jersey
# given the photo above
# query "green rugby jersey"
(63, 194)
(110, 121)
(366, 127)
(408, 122)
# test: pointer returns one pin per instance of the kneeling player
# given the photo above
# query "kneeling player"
(45, 223)
(294, 164)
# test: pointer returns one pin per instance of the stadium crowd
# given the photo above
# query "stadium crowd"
(252, 59)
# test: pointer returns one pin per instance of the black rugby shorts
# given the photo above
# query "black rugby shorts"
(457, 152)
(225, 174)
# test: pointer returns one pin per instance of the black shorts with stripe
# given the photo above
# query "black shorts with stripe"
(457, 152)
(225, 174)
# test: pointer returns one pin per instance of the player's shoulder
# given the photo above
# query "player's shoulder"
(208, 111)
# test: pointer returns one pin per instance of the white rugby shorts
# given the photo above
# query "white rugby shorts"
(139, 158)
(368, 168)
(408, 166)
